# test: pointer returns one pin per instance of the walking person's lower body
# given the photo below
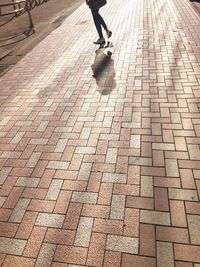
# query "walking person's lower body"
(99, 23)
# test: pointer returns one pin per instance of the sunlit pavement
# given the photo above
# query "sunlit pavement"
(104, 170)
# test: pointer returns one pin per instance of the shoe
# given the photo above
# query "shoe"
(100, 41)
(108, 33)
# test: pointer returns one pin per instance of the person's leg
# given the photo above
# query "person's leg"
(102, 22)
(95, 14)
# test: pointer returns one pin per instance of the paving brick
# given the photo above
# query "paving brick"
(33, 159)
(69, 254)
(27, 182)
(96, 211)
(154, 217)
(61, 145)
(12, 246)
(58, 165)
(147, 186)
(172, 234)
(122, 244)
(50, 220)
(161, 199)
(8, 229)
(36, 193)
(183, 194)
(34, 243)
(192, 207)
(187, 179)
(46, 255)
(137, 261)
(140, 202)
(165, 254)
(59, 236)
(19, 210)
(96, 250)
(84, 231)
(184, 264)
(194, 228)
(187, 253)
(108, 226)
(112, 259)
(114, 178)
(117, 207)
(4, 174)
(26, 225)
(73, 215)
(54, 189)
(85, 171)
(177, 211)
(84, 197)
(94, 182)
(147, 240)
(13, 261)
(111, 156)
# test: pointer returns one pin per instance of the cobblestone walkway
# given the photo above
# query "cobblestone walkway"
(105, 171)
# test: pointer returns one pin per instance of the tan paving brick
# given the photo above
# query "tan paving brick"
(114, 178)
(4, 174)
(122, 244)
(54, 189)
(12, 246)
(85, 171)
(137, 261)
(60, 165)
(50, 220)
(183, 194)
(172, 168)
(146, 186)
(194, 228)
(46, 255)
(117, 207)
(27, 181)
(33, 159)
(84, 231)
(84, 197)
(19, 210)
(165, 254)
(154, 217)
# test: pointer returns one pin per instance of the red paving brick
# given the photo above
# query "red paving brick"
(104, 172)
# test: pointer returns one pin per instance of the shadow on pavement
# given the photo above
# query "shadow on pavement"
(103, 70)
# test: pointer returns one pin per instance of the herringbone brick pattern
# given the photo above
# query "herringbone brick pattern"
(105, 171)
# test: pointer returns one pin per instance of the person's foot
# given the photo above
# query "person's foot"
(108, 33)
(100, 41)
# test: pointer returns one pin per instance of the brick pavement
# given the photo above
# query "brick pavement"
(104, 172)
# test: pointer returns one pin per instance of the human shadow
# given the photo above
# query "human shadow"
(103, 69)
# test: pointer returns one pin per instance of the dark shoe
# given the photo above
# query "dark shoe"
(100, 41)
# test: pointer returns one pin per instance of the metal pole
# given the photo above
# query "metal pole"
(29, 14)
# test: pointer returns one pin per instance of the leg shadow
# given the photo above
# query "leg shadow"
(103, 69)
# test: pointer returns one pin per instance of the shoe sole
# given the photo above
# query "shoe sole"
(99, 43)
